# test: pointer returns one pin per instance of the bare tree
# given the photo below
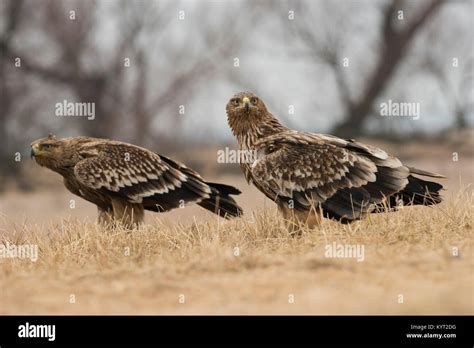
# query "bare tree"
(11, 9)
(128, 88)
(394, 42)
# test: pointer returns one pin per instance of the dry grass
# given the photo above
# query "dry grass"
(407, 253)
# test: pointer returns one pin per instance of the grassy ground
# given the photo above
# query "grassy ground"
(203, 265)
(417, 261)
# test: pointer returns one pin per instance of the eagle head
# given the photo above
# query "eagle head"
(245, 104)
(245, 111)
(49, 152)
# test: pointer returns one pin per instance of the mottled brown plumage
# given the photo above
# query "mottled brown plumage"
(123, 180)
(309, 175)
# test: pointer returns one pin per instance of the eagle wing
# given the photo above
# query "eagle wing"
(140, 176)
(343, 177)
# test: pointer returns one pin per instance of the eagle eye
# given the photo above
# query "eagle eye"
(235, 102)
(46, 146)
(254, 100)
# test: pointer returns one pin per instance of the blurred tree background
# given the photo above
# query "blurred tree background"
(142, 62)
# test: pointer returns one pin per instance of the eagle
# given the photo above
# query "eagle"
(124, 180)
(311, 175)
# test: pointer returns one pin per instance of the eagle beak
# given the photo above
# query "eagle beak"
(34, 150)
(246, 102)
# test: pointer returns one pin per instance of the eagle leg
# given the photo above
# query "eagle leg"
(105, 216)
(128, 214)
(297, 220)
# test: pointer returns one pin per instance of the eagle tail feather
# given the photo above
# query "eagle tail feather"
(220, 202)
(417, 192)
(414, 170)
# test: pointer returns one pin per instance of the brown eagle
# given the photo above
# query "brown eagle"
(123, 180)
(311, 175)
